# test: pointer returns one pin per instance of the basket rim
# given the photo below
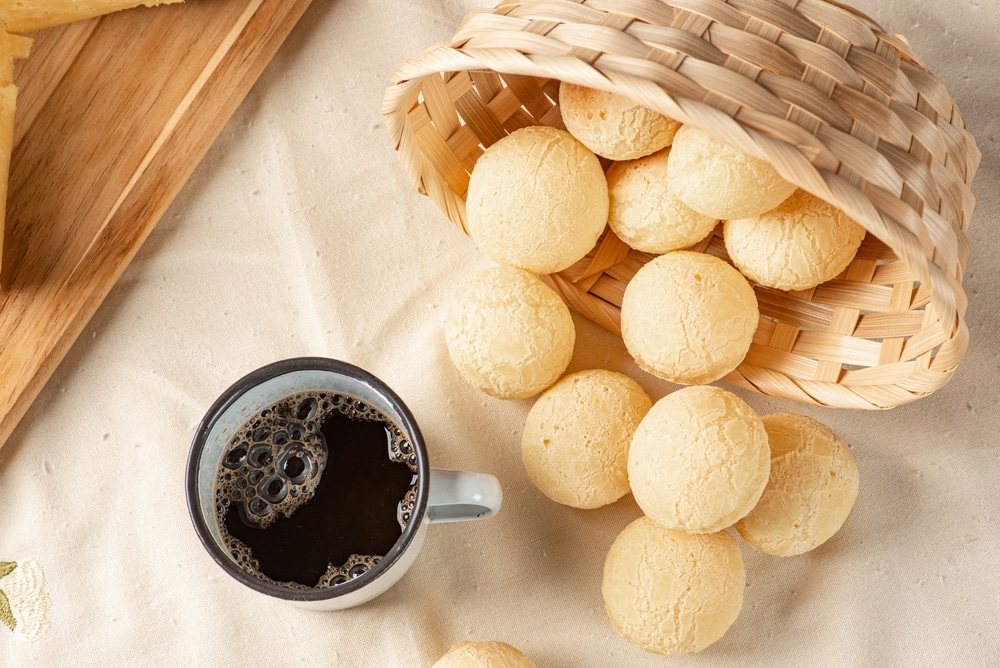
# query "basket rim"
(936, 253)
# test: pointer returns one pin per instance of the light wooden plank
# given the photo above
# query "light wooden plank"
(106, 152)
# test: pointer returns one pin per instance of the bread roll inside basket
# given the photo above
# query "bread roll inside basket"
(838, 106)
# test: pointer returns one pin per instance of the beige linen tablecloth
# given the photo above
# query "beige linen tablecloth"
(299, 234)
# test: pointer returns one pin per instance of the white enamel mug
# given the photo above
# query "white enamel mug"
(442, 496)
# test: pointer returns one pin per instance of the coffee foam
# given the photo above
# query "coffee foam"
(274, 463)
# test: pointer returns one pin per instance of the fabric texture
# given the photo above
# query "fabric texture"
(299, 234)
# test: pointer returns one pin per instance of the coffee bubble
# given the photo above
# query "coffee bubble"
(272, 489)
(355, 566)
(296, 464)
(259, 456)
(307, 409)
(236, 456)
(296, 431)
(259, 506)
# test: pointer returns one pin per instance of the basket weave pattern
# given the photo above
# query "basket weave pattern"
(839, 107)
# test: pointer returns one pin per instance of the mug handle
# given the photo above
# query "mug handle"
(456, 496)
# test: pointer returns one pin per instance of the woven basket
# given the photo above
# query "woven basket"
(836, 105)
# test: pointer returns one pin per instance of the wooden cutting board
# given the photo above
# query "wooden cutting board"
(113, 116)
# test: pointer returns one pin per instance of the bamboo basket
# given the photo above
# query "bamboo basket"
(838, 106)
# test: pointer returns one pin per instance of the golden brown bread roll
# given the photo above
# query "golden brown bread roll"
(537, 200)
(699, 460)
(508, 333)
(810, 491)
(797, 245)
(484, 654)
(671, 592)
(576, 437)
(612, 125)
(720, 181)
(645, 213)
(688, 317)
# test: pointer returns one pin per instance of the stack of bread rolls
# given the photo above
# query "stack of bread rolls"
(702, 465)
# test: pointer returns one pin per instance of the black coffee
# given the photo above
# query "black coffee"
(314, 490)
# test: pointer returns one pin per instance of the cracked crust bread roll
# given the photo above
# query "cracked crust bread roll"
(484, 654)
(537, 200)
(688, 317)
(811, 488)
(671, 592)
(612, 125)
(795, 246)
(645, 213)
(576, 437)
(509, 334)
(699, 460)
(719, 181)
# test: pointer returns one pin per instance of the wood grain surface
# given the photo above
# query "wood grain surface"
(113, 116)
